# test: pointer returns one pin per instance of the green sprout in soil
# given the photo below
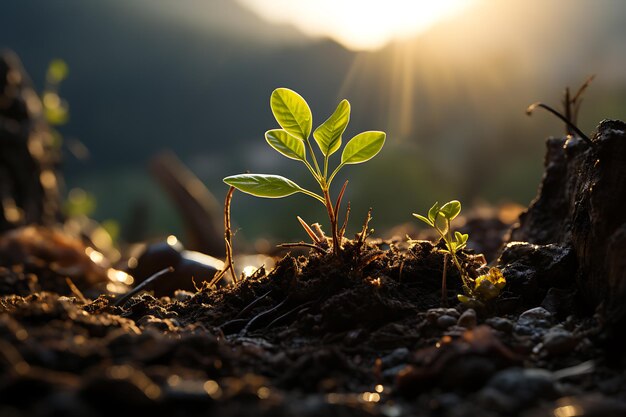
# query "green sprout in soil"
(292, 141)
(483, 288)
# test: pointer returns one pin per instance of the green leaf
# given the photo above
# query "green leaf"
(451, 209)
(460, 237)
(432, 213)
(461, 240)
(292, 112)
(363, 147)
(263, 185)
(284, 143)
(424, 219)
(328, 134)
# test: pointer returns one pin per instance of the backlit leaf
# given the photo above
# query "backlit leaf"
(328, 134)
(363, 147)
(432, 213)
(424, 219)
(263, 185)
(284, 143)
(292, 112)
(451, 209)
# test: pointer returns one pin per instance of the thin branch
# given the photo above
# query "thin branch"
(76, 291)
(363, 235)
(533, 106)
(340, 196)
(342, 231)
(141, 287)
(302, 245)
(309, 231)
(444, 289)
(228, 234)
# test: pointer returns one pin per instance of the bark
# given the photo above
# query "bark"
(581, 204)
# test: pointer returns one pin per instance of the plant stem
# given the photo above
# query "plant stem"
(333, 222)
(317, 167)
(444, 289)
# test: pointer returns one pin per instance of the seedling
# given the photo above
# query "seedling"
(292, 141)
(482, 288)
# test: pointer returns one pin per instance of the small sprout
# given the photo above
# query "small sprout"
(292, 141)
(489, 285)
(483, 288)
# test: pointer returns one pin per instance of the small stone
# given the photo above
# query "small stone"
(500, 323)
(468, 319)
(182, 295)
(522, 387)
(559, 341)
(399, 355)
(536, 316)
(445, 321)
(452, 312)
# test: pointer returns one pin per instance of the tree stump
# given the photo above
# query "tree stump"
(581, 203)
(29, 181)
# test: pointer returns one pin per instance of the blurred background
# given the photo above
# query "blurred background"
(448, 81)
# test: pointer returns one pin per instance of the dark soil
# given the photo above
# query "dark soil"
(317, 335)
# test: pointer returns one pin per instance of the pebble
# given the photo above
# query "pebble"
(559, 341)
(433, 314)
(182, 295)
(513, 389)
(446, 321)
(468, 319)
(500, 323)
(399, 355)
(533, 322)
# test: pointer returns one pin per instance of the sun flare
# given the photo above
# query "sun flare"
(359, 24)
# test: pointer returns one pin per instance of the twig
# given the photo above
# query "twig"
(76, 291)
(578, 98)
(120, 301)
(444, 289)
(363, 235)
(342, 231)
(252, 304)
(302, 245)
(261, 315)
(575, 128)
(287, 314)
(228, 234)
(309, 231)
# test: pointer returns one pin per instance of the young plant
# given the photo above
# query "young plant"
(484, 287)
(292, 141)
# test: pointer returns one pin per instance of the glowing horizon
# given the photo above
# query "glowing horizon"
(359, 24)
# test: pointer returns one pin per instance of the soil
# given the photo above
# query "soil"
(363, 334)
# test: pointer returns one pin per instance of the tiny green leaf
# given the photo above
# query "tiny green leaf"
(432, 213)
(263, 185)
(461, 238)
(424, 219)
(451, 209)
(292, 112)
(328, 134)
(284, 143)
(363, 147)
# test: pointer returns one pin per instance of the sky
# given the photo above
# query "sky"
(359, 24)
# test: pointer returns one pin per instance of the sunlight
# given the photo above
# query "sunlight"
(359, 24)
